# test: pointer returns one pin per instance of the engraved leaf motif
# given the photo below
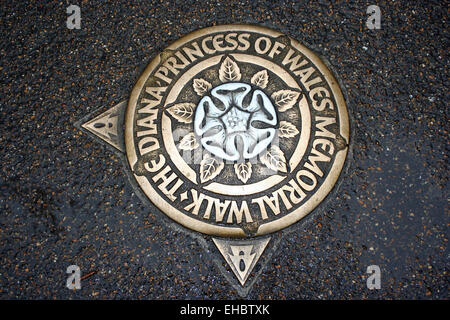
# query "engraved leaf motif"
(188, 142)
(229, 71)
(260, 79)
(201, 86)
(285, 99)
(274, 159)
(209, 168)
(182, 112)
(243, 171)
(287, 130)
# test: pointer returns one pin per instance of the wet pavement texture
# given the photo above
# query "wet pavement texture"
(66, 199)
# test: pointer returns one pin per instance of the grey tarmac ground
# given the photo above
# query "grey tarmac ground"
(66, 199)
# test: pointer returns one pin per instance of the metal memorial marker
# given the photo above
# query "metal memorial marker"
(235, 132)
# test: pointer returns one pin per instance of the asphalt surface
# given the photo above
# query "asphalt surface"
(66, 199)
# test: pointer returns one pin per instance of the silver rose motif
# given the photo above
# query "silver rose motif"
(235, 122)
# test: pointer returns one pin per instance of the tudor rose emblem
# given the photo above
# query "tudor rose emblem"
(235, 132)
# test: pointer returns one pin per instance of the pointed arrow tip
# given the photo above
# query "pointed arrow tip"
(241, 255)
(105, 126)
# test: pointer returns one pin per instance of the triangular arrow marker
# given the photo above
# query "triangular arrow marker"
(105, 126)
(241, 255)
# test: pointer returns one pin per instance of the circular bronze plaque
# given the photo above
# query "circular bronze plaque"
(236, 131)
